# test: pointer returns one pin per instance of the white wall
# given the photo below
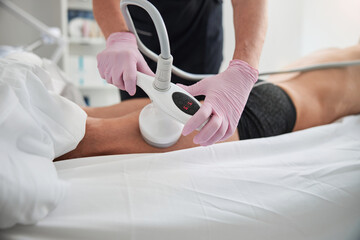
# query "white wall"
(298, 27)
(15, 32)
(229, 36)
(283, 40)
(330, 23)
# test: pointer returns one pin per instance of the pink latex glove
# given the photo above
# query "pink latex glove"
(120, 60)
(225, 97)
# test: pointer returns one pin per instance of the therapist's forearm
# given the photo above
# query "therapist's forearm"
(108, 15)
(250, 23)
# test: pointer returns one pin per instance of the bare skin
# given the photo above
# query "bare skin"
(250, 25)
(114, 131)
(320, 97)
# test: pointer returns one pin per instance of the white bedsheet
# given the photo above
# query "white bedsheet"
(303, 185)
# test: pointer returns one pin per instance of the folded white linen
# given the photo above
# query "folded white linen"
(36, 126)
(53, 78)
(299, 186)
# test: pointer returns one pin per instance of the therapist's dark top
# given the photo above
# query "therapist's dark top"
(195, 33)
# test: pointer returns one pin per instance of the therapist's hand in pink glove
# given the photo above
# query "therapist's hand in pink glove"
(120, 61)
(225, 97)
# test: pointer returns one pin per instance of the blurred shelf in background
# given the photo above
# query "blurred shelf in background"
(84, 42)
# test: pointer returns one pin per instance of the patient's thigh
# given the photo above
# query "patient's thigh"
(117, 110)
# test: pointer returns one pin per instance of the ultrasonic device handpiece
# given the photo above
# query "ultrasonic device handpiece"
(161, 122)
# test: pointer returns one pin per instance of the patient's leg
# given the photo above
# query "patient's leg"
(119, 136)
(117, 110)
(320, 97)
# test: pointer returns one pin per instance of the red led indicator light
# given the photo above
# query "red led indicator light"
(188, 104)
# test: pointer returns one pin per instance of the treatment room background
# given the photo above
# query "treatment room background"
(295, 28)
(295, 174)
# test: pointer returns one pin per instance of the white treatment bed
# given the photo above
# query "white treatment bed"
(303, 185)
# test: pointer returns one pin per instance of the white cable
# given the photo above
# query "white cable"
(162, 34)
(164, 61)
(158, 22)
(315, 67)
(165, 47)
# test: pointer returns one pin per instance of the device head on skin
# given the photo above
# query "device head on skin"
(161, 122)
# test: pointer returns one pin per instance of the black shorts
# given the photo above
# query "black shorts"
(269, 111)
